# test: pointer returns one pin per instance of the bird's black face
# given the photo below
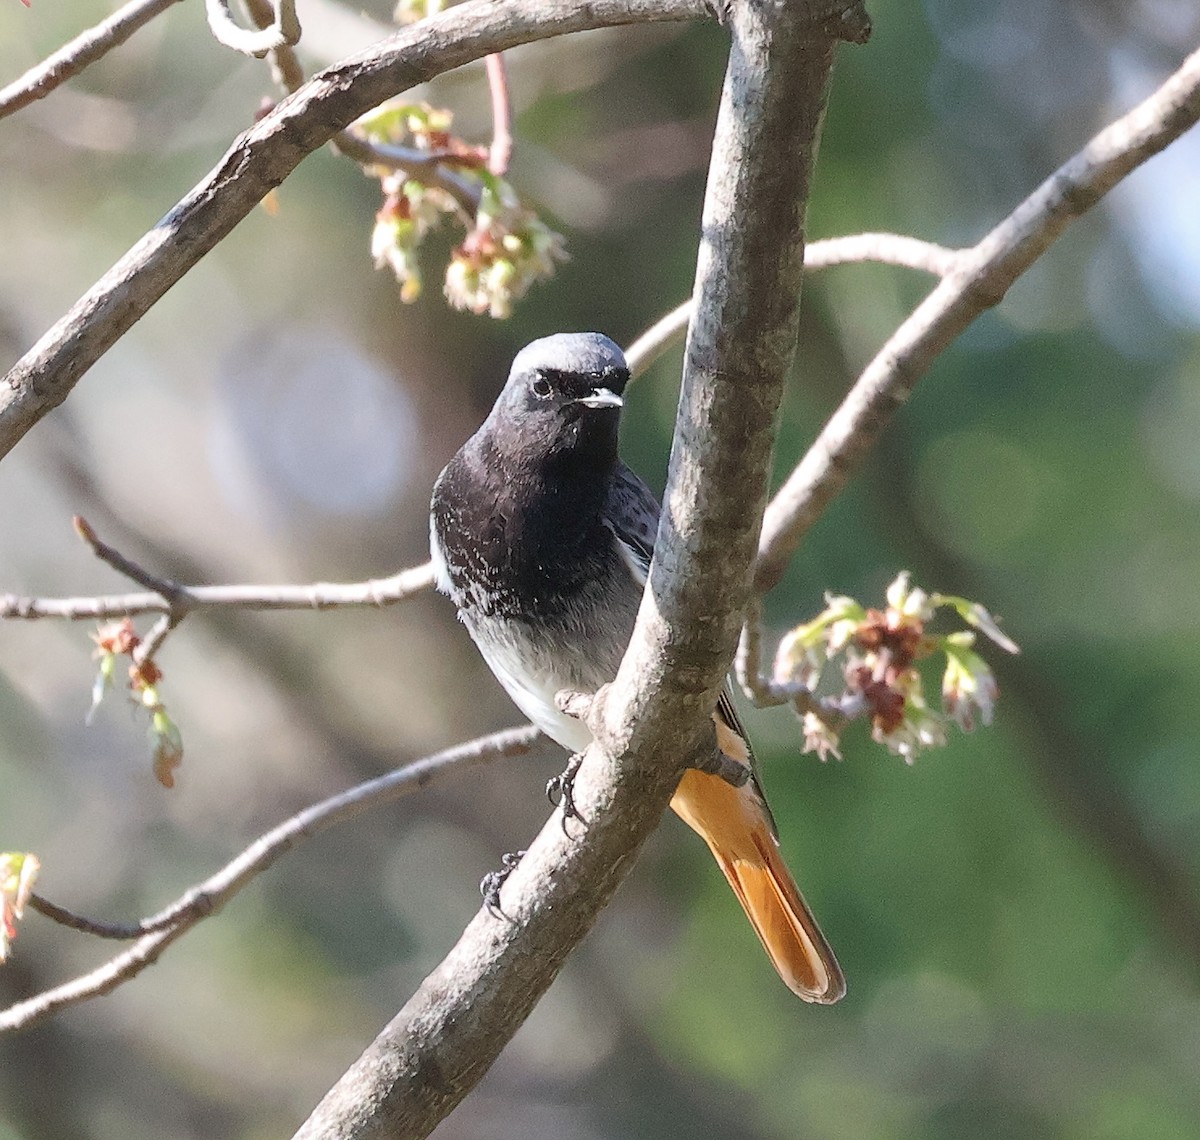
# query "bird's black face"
(563, 398)
(556, 413)
(569, 395)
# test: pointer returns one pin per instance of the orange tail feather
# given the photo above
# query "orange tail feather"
(735, 825)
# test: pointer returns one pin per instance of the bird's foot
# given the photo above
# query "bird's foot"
(576, 704)
(728, 769)
(561, 790)
(490, 884)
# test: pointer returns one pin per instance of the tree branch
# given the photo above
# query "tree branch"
(888, 249)
(654, 717)
(82, 51)
(376, 592)
(285, 64)
(500, 152)
(431, 169)
(122, 564)
(174, 601)
(979, 280)
(287, 72)
(263, 156)
(118, 931)
(282, 29)
(157, 932)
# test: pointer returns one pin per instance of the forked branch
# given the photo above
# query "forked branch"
(155, 933)
(264, 155)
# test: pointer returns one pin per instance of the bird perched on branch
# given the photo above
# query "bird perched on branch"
(542, 538)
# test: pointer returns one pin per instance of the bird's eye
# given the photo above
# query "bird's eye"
(541, 387)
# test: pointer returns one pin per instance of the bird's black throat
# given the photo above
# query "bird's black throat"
(518, 515)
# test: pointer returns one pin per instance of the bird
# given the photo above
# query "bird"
(542, 538)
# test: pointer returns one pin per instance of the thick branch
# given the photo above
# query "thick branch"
(158, 931)
(263, 156)
(653, 718)
(980, 279)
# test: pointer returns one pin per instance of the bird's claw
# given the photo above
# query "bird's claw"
(490, 884)
(561, 790)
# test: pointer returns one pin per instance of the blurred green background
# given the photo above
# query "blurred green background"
(1018, 915)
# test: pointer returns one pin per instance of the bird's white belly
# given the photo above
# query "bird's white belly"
(523, 668)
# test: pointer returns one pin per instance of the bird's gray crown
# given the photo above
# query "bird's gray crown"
(586, 353)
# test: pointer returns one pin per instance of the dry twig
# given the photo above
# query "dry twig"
(500, 152)
(281, 29)
(887, 249)
(82, 51)
(156, 933)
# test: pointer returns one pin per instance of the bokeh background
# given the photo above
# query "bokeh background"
(1018, 915)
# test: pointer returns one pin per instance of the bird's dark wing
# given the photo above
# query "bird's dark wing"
(632, 515)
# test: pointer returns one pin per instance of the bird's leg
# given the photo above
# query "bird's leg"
(576, 704)
(718, 764)
(561, 789)
(581, 706)
(490, 884)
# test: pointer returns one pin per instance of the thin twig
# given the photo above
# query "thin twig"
(122, 932)
(433, 170)
(412, 160)
(375, 592)
(747, 663)
(658, 338)
(285, 63)
(158, 931)
(159, 632)
(500, 152)
(762, 689)
(175, 601)
(124, 565)
(82, 51)
(430, 170)
(980, 278)
(888, 249)
(282, 30)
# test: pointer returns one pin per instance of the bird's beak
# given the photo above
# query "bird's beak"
(601, 398)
